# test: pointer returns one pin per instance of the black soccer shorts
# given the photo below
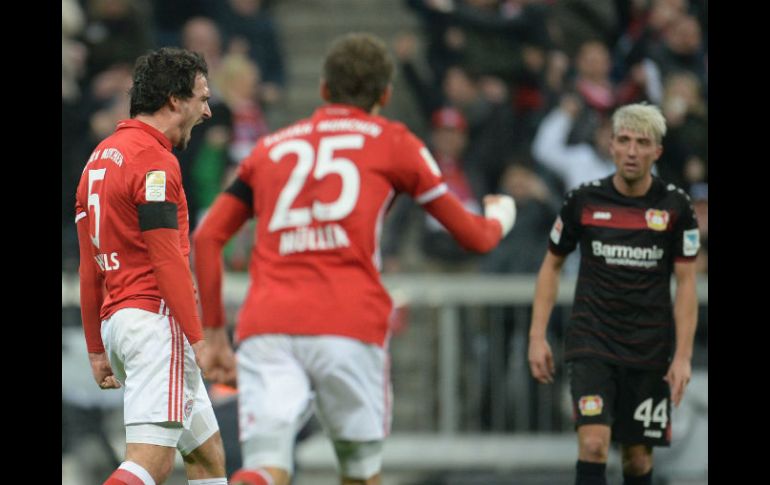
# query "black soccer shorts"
(636, 403)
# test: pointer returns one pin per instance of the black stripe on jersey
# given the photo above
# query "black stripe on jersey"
(158, 215)
(241, 189)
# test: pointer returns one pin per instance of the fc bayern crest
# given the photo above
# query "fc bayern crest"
(188, 408)
(657, 219)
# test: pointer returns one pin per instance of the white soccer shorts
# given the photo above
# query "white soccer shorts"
(280, 377)
(152, 359)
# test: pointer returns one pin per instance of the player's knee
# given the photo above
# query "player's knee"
(359, 460)
(269, 450)
(208, 459)
(637, 461)
(593, 447)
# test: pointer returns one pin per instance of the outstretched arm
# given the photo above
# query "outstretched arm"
(473, 232)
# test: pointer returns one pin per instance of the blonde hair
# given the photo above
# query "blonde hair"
(232, 76)
(641, 118)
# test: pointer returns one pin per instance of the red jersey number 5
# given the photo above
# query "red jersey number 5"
(93, 201)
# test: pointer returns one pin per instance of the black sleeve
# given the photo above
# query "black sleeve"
(686, 233)
(158, 215)
(565, 232)
(243, 191)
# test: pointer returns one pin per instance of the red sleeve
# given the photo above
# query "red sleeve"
(414, 171)
(155, 176)
(226, 215)
(472, 232)
(91, 285)
(174, 279)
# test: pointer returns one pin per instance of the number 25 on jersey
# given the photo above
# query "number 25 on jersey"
(325, 164)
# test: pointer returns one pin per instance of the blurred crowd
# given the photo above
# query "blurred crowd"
(516, 96)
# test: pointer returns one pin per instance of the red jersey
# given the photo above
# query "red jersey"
(133, 166)
(321, 188)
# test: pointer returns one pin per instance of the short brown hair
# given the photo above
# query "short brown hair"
(161, 74)
(357, 70)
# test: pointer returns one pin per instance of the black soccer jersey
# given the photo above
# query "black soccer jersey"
(623, 311)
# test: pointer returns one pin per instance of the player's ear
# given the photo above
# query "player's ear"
(173, 103)
(385, 96)
(325, 93)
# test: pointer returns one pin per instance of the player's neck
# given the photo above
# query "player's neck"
(633, 188)
(158, 121)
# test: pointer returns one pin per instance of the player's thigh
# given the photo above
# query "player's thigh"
(593, 389)
(644, 409)
(351, 380)
(203, 426)
(274, 391)
(160, 377)
(156, 460)
(206, 460)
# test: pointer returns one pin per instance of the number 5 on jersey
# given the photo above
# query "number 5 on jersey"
(325, 164)
(93, 201)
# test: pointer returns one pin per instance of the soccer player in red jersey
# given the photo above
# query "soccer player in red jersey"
(314, 325)
(628, 348)
(137, 298)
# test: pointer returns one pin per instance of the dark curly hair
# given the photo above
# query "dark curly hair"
(357, 70)
(161, 74)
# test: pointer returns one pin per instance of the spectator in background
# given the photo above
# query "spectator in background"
(206, 160)
(522, 250)
(573, 164)
(238, 81)
(573, 23)
(682, 50)
(685, 151)
(239, 84)
(201, 34)
(484, 103)
(596, 91)
(448, 140)
(117, 31)
(250, 30)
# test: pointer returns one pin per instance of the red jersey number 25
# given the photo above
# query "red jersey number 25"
(325, 163)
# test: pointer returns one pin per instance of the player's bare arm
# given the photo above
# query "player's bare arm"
(540, 356)
(102, 371)
(685, 318)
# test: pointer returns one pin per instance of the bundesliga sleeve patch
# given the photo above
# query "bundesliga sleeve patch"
(556, 230)
(155, 186)
(430, 161)
(691, 242)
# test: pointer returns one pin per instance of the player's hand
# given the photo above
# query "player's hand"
(102, 371)
(219, 357)
(678, 376)
(541, 360)
(201, 358)
(502, 208)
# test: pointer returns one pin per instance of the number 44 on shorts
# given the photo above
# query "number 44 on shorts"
(647, 416)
